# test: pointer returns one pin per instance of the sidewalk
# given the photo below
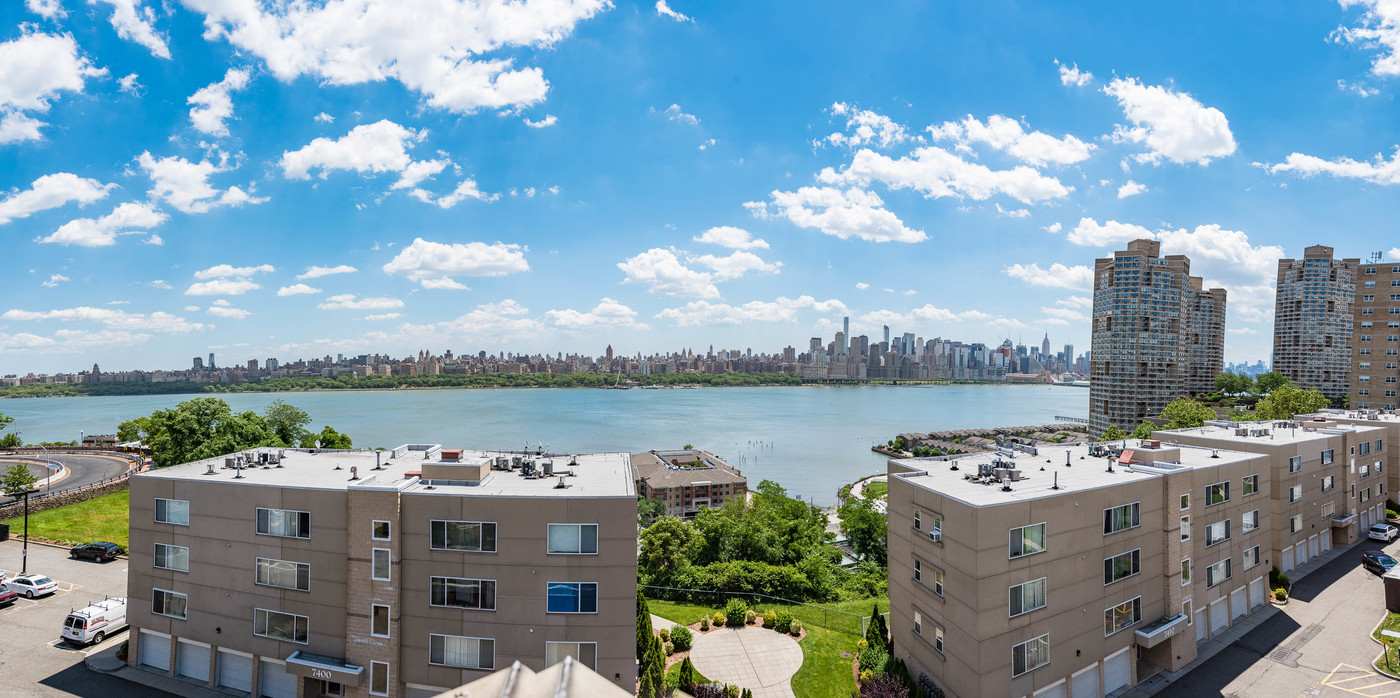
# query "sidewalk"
(104, 661)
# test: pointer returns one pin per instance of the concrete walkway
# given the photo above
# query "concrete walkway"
(657, 623)
(105, 661)
(760, 660)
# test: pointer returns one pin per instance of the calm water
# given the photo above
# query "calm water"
(812, 440)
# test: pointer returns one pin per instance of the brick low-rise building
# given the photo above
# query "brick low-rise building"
(687, 480)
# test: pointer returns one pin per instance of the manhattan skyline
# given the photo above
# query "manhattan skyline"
(651, 176)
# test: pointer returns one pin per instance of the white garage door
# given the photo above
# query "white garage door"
(1257, 593)
(1117, 672)
(235, 671)
(1286, 563)
(275, 682)
(1201, 626)
(1085, 684)
(1326, 540)
(1365, 519)
(155, 650)
(1312, 547)
(192, 661)
(1219, 616)
(1056, 691)
(415, 691)
(1239, 606)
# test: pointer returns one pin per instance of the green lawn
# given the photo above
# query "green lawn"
(1390, 660)
(103, 518)
(877, 490)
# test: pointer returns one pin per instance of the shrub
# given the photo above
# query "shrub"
(681, 637)
(665, 635)
(731, 691)
(770, 618)
(750, 617)
(121, 651)
(796, 628)
(1278, 579)
(865, 675)
(686, 676)
(718, 619)
(669, 648)
(671, 684)
(883, 686)
(705, 624)
(736, 611)
(708, 690)
(783, 622)
(861, 644)
(1280, 594)
(874, 659)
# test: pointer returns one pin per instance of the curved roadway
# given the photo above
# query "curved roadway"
(83, 469)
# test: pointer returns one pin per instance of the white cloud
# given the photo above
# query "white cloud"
(546, 122)
(48, 9)
(111, 317)
(1076, 302)
(783, 309)
(222, 287)
(227, 271)
(1242, 330)
(1089, 233)
(1063, 313)
(368, 148)
(467, 189)
(938, 173)
(324, 118)
(318, 272)
(1357, 88)
(866, 127)
(191, 308)
(1072, 75)
(842, 213)
(1377, 29)
(415, 172)
(460, 55)
(160, 284)
(213, 104)
(100, 232)
(488, 322)
(1131, 188)
(185, 185)
(51, 191)
(731, 237)
(1006, 134)
(608, 313)
(383, 316)
(664, 10)
(1376, 171)
(227, 312)
(704, 145)
(861, 285)
(674, 113)
(1057, 276)
(34, 69)
(1171, 124)
(348, 301)
(134, 23)
(297, 290)
(1013, 213)
(736, 264)
(663, 272)
(1053, 228)
(129, 84)
(426, 262)
(443, 283)
(55, 280)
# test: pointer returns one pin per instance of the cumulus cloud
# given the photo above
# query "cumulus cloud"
(1131, 188)
(129, 84)
(736, 264)
(546, 122)
(664, 10)
(608, 313)
(383, 316)
(51, 191)
(297, 290)
(1053, 228)
(349, 301)
(185, 185)
(662, 272)
(704, 313)
(443, 284)
(843, 213)
(48, 9)
(866, 127)
(487, 322)
(461, 56)
(1090, 233)
(466, 189)
(731, 237)
(55, 280)
(1173, 125)
(674, 113)
(1077, 277)
(1013, 213)
(1378, 170)
(226, 311)
(429, 262)
(213, 104)
(34, 69)
(101, 232)
(134, 22)
(1007, 135)
(318, 272)
(222, 287)
(111, 317)
(227, 271)
(861, 285)
(1063, 313)
(367, 149)
(938, 173)
(1378, 29)
(1072, 75)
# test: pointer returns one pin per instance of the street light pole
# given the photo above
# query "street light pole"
(24, 554)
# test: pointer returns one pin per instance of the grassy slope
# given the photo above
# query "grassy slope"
(1390, 661)
(103, 518)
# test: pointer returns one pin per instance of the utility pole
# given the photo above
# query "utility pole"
(24, 554)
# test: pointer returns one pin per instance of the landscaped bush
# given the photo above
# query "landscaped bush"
(883, 686)
(873, 659)
(681, 637)
(705, 624)
(770, 618)
(783, 622)
(796, 628)
(718, 619)
(1278, 579)
(708, 690)
(665, 635)
(1280, 594)
(669, 648)
(731, 691)
(750, 617)
(735, 611)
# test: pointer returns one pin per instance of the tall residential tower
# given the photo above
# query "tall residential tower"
(1376, 335)
(1313, 320)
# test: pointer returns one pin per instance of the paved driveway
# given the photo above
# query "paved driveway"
(1319, 646)
(760, 660)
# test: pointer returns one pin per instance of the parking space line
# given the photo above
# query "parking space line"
(1360, 674)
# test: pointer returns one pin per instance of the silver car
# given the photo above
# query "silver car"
(1383, 532)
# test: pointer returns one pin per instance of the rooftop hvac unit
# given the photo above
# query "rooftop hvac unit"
(549, 468)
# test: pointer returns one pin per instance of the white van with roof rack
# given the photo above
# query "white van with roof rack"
(95, 623)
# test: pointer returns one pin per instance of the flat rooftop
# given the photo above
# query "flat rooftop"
(1073, 468)
(1268, 433)
(1380, 416)
(664, 469)
(584, 474)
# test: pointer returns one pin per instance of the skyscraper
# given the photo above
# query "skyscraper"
(1376, 330)
(887, 336)
(1045, 347)
(1313, 320)
(1157, 335)
(211, 361)
(846, 335)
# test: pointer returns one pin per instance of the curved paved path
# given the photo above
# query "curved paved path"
(83, 469)
(760, 660)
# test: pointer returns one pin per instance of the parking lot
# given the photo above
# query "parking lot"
(33, 660)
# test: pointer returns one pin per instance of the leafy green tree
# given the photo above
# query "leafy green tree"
(328, 438)
(1287, 401)
(666, 546)
(1240, 414)
(204, 427)
(287, 421)
(1233, 383)
(654, 667)
(687, 675)
(644, 630)
(646, 689)
(1112, 433)
(17, 480)
(1144, 430)
(8, 440)
(1267, 383)
(649, 510)
(864, 527)
(1183, 413)
(134, 429)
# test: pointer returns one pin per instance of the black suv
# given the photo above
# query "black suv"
(101, 552)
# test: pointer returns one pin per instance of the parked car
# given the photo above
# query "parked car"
(1377, 562)
(93, 624)
(100, 551)
(32, 585)
(7, 597)
(1383, 532)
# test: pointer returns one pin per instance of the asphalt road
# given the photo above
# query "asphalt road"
(1319, 646)
(85, 469)
(33, 660)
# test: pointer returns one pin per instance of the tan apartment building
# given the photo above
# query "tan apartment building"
(301, 573)
(1313, 320)
(1157, 335)
(1384, 419)
(1375, 359)
(687, 479)
(1074, 570)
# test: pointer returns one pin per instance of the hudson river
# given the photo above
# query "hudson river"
(811, 440)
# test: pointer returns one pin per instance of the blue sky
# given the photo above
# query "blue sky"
(233, 176)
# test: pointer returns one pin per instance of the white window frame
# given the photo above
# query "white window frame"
(1225, 487)
(938, 638)
(1247, 481)
(1295, 464)
(155, 513)
(258, 567)
(374, 555)
(1245, 521)
(579, 537)
(1328, 482)
(596, 596)
(1222, 539)
(388, 622)
(165, 606)
(1186, 528)
(292, 640)
(374, 533)
(1186, 572)
(938, 581)
(1295, 493)
(298, 535)
(495, 543)
(1021, 590)
(1329, 456)
(1185, 501)
(374, 672)
(155, 561)
(1247, 564)
(489, 667)
(1136, 603)
(1328, 510)
(1044, 534)
(1229, 573)
(1042, 643)
(1295, 523)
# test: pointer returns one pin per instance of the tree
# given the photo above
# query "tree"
(8, 440)
(287, 421)
(203, 427)
(17, 480)
(1269, 382)
(1233, 383)
(1240, 414)
(687, 675)
(1184, 413)
(1112, 433)
(864, 527)
(667, 545)
(643, 626)
(877, 632)
(649, 510)
(1287, 401)
(646, 689)
(136, 429)
(328, 438)
(1144, 430)
(654, 667)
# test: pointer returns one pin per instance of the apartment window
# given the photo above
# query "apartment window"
(1328, 482)
(477, 594)
(1185, 501)
(1217, 493)
(1364, 448)
(1327, 457)
(463, 652)
(1379, 445)
(585, 653)
(573, 597)
(283, 574)
(169, 603)
(1122, 566)
(1251, 557)
(379, 565)
(918, 521)
(1251, 485)
(1295, 493)
(173, 511)
(284, 523)
(1217, 532)
(1295, 524)
(1365, 351)
(1027, 540)
(1121, 518)
(1328, 510)
(1186, 571)
(380, 530)
(573, 539)
(1186, 528)
(1186, 610)
(1027, 597)
(379, 678)
(1251, 520)
(1295, 463)
(1218, 573)
(938, 638)
(280, 626)
(938, 582)
(1365, 471)
(465, 536)
(379, 620)
(1030, 655)
(918, 623)
(1121, 616)
(172, 557)
(918, 572)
